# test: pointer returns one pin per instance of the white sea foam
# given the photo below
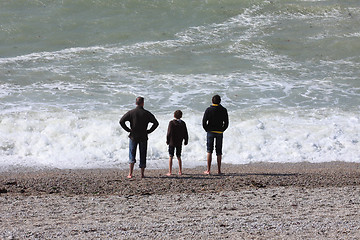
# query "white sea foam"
(67, 140)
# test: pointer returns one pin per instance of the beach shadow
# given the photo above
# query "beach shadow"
(199, 176)
(187, 176)
(261, 174)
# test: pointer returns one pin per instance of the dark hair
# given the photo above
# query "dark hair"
(216, 99)
(178, 114)
(139, 100)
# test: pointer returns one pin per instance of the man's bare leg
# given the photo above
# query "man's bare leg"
(219, 164)
(131, 170)
(142, 172)
(170, 166)
(208, 163)
(180, 165)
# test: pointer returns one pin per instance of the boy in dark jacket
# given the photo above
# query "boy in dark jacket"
(177, 132)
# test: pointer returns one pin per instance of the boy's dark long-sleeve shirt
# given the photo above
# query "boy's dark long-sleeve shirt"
(215, 119)
(177, 132)
(139, 119)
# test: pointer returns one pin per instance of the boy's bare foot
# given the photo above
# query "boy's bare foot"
(180, 173)
(129, 176)
(168, 174)
(207, 172)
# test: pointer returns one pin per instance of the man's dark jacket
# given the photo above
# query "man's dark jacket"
(177, 132)
(215, 119)
(139, 119)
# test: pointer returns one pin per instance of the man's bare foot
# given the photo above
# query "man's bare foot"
(129, 176)
(168, 174)
(180, 173)
(207, 172)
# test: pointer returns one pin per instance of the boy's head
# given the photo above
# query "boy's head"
(216, 99)
(178, 114)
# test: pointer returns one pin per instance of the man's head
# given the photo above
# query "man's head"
(140, 101)
(216, 99)
(178, 114)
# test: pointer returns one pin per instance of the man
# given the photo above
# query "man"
(139, 119)
(215, 122)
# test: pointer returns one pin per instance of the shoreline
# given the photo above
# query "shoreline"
(235, 178)
(251, 201)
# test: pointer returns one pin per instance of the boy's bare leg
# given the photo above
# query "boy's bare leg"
(180, 165)
(170, 166)
(131, 170)
(208, 163)
(219, 164)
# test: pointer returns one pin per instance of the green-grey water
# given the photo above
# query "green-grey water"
(287, 70)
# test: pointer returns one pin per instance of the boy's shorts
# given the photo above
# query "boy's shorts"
(172, 150)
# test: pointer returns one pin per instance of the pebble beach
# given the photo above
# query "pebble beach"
(251, 201)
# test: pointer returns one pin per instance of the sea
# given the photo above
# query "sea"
(288, 72)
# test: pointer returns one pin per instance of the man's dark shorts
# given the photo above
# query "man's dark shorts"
(218, 142)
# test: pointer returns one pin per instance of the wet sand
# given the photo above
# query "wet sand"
(252, 201)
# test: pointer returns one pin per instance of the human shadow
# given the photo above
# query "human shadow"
(199, 176)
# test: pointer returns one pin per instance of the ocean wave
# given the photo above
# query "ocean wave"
(67, 140)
